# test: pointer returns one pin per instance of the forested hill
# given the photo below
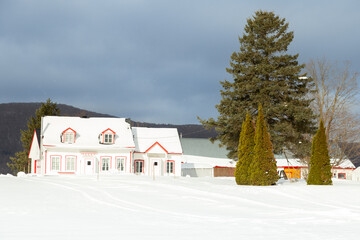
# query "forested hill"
(14, 116)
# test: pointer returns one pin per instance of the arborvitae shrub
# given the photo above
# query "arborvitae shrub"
(245, 150)
(263, 170)
(319, 166)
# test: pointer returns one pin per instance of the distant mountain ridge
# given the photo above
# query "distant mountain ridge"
(14, 116)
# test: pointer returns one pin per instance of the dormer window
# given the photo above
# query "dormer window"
(68, 136)
(107, 136)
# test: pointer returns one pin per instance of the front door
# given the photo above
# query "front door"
(89, 166)
(155, 167)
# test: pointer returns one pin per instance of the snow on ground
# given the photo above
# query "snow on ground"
(136, 207)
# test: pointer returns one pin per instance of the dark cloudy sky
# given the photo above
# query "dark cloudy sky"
(150, 60)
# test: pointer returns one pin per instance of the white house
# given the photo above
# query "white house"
(75, 145)
(85, 146)
(157, 152)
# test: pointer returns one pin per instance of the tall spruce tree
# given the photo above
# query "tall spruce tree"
(21, 161)
(263, 73)
(320, 167)
(263, 169)
(246, 151)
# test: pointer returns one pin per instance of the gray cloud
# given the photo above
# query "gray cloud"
(158, 61)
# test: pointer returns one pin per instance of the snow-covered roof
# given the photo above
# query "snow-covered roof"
(156, 140)
(87, 132)
(293, 162)
(347, 164)
(200, 161)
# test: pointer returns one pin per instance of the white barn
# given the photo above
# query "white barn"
(157, 152)
(81, 146)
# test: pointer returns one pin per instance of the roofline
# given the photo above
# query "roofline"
(32, 142)
(167, 153)
(108, 130)
(154, 146)
(69, 128)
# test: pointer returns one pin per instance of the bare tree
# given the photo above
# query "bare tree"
(334, 99)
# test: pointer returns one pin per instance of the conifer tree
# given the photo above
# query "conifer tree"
(263, 170)
(320, 167)
(21, 161)
(246, 150)
(264, 73)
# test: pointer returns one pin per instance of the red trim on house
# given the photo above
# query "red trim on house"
(69, 129)
(35, 166)
(222, 167)
(130, 162)
(49, 145)
(45, 160)
(108, 130)
(167, 153)
(65, 131)
(173, 166)
(156, 143)
(32, 142)
(103, 135)
(140, 160)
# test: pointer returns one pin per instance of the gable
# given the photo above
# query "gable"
(108, 131)
(69, 130)
(157, 140)
(156, 148)
(34, 152)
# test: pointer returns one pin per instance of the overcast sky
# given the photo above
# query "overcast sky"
(154, 61)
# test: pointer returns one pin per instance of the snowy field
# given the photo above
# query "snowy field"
(136, 207)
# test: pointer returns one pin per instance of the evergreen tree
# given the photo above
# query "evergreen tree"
(263, 73)
(246, 149)
(21, 161)
(263, 170)
(320, 167)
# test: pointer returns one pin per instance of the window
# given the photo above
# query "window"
(139, 165)
(70, 163)
(341, 176)
(55, 163)
(107, 137)
(120, 164)
(170, 167)
(68, 136)
(105, 164)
